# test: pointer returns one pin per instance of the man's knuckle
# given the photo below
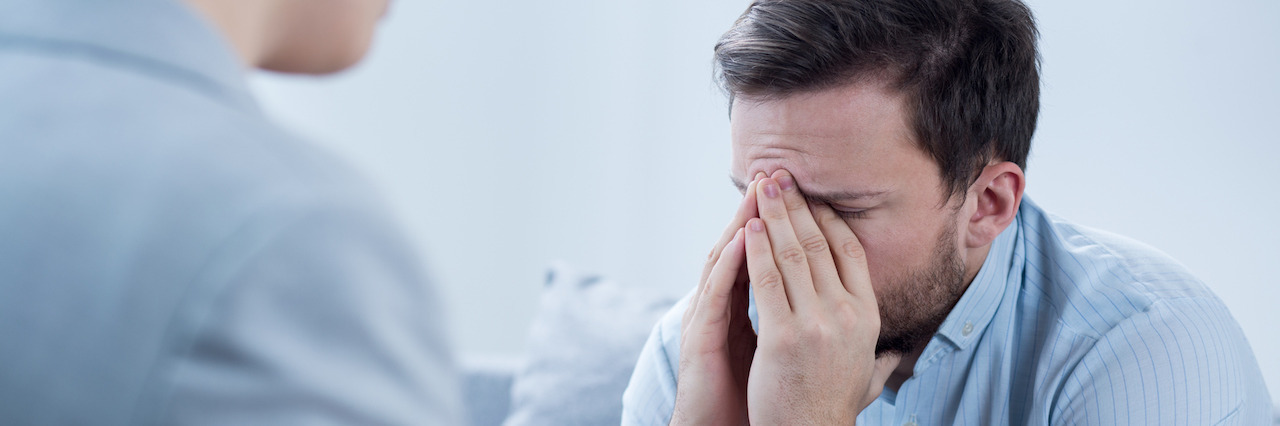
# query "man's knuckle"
(773, 215)
(853, 250)
(872, 322)
(791, 255)
(797, 205)
(822, 333)
(847, 314)
(713, 256)
(815, 244)
(770, 280)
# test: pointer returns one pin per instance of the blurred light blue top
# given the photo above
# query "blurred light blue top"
(169, 256)
(1063, 325)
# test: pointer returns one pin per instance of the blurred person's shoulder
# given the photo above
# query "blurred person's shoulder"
(151, 119)
(93, 132)
(146, 204)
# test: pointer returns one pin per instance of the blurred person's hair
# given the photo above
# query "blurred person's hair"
(967, 69)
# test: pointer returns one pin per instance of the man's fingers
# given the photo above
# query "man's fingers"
(850, 258)
(772, 304)
(788, 255)
(713, 309)
(817, 251)
(746, 210)
(885, 365)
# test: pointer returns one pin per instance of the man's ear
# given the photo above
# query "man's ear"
(997, 194)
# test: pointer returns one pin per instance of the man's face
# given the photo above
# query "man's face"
(851, 147)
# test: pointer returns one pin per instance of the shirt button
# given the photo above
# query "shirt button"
(967, 330)
(911, 422)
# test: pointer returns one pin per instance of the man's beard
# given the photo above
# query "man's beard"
(913, 307)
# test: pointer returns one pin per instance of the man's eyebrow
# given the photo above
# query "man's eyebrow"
(823, 198)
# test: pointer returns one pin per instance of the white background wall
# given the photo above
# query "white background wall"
(511, 133)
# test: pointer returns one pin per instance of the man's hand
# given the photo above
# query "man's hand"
(716, 339)
(818, 318)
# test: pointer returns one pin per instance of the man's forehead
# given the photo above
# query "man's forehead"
(831, 113)
(847, 140)
(818, 165)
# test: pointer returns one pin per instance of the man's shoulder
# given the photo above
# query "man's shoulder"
(651, 392)
(668, 329)
(663, 346)
(1097, 279)
(1148, 325)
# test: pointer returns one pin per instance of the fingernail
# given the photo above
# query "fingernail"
(786, 182)
(738, 235)
(756, 225)
(760, 175)
(770, 190)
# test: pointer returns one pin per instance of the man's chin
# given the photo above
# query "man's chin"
(902, 344)
(913, 309)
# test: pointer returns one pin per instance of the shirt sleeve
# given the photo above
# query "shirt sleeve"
(326, 319)
(1183, 361)
(651, 395)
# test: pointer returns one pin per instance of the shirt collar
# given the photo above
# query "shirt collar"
(971, 315)
(164, 38)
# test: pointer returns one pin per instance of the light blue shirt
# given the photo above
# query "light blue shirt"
(1063, 325)
(169, 256)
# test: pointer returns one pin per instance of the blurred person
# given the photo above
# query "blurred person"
(885, 267)
(168, 255)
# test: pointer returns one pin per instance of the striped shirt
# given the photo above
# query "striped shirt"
(1062, 325)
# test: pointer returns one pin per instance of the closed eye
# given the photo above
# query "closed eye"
(850, 214)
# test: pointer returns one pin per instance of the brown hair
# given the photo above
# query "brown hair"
(968, 69)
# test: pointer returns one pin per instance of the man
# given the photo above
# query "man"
(168, 255)
(897, 275)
